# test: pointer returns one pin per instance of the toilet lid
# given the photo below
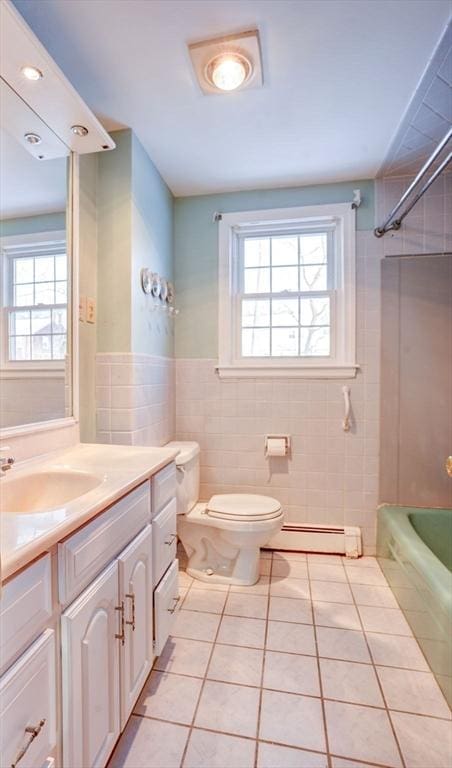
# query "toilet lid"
(243, 506)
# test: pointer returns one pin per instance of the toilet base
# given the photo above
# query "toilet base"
(244, 575)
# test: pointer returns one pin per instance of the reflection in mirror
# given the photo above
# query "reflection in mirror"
(34, 368)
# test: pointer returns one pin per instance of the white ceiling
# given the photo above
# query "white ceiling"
(338, 77)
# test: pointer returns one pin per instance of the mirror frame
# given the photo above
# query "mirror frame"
(72, 238)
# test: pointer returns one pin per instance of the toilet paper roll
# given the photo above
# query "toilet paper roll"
(276, 446)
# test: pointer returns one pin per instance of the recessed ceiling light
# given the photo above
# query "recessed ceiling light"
(228, 71)
(32, 138)
(32, 73)
(79, 130)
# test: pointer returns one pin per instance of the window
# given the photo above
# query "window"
(287, 292)
(36, 302)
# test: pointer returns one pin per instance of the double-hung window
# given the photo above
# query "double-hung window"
(287, 292)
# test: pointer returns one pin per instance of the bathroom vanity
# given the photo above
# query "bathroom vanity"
(89, 592)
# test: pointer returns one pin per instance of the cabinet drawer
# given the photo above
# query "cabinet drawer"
(166, 598)
(83, 555)
(28, 697)
(25, 606)
(163, 487)
(164, 540)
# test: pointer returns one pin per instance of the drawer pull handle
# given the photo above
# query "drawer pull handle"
(34, 731)
(121, 636)
(176, 600)
(131, 621)
(173, 536)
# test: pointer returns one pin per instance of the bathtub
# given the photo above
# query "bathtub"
(414, 549)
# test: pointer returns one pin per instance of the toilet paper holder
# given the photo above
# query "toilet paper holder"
(270, 441)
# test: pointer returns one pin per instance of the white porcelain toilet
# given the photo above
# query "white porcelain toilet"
(222, 537)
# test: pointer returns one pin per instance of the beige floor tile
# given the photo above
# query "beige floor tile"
(195, 625)
(396, 651)
(390, 621)
(293, 720)
(288, 587)
(209, 585)
(291, 673)
(216, 750)
(336, 615)
(371, 576)
(361, 733)
(410, 691)
(313, 557)
(169, 697)
(288, 556)
(241, 631)
(290, 638)
(344, 644)
(382, 597)
(261, 588)
(323, 572)
(150, 744)
(183, 592)
(296, 569)
(228, 708)
(275, 756)
(425, 742)
(361, 562)
(331, 591)
(348, 681)
(266, 554)
(340, 762)
(209, 601)
(233, 664)
(184, 579)
(185, 657)
(290, 609)
(265, 567)
(250, 606)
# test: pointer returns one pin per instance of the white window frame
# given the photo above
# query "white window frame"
(12, 246)
(341, 363)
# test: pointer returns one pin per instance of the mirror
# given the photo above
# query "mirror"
(35, 354)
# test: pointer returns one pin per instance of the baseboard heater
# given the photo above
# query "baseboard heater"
(330, 539)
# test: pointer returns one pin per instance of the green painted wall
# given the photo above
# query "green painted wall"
(196, 251)
(26, 225)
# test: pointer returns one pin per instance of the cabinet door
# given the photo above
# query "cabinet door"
(135, 590)
(164, 542)
(166, 598)
(90, 673)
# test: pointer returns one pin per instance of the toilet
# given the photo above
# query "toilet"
(222, 537)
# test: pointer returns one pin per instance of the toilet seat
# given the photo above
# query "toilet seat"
(242, 507)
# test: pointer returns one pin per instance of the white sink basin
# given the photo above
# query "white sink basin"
(40, 491)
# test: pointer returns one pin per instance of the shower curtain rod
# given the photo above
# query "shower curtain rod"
(392, 223)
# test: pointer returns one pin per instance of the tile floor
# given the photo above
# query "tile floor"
(313, 667)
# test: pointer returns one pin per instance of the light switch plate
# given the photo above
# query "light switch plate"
(90, 310)
(82, 309)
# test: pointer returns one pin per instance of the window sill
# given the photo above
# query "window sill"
(287, 371)
(29, 372)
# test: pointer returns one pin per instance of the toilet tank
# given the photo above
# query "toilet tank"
(187, 464)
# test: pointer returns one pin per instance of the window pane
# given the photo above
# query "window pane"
(313, 278)
(44, 293)
(255, 312)
(255, 342)
(257, 252)
(284, 279)
(59, 324)
(284, 250)
(257, 280)
(285, 312)
(61, 267)
(40, 321)
(315, 311)
(315, 341)
(313, 249)
(44, 269)
(19, 348)
(284, 342)
(59, 347)
(41, 347)
(23, 295)
(19, 323)
(61, 293)
(23, 270)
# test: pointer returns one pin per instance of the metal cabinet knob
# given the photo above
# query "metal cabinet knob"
(449, 466)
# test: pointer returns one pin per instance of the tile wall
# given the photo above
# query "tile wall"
(134, 399)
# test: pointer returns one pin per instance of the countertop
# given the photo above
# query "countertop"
(25, 536)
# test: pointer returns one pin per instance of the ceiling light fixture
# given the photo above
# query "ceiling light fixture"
(79, 130)
(32, 138)
(32, 73)
(228, 71)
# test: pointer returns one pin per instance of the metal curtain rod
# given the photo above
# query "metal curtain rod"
(390, 222)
